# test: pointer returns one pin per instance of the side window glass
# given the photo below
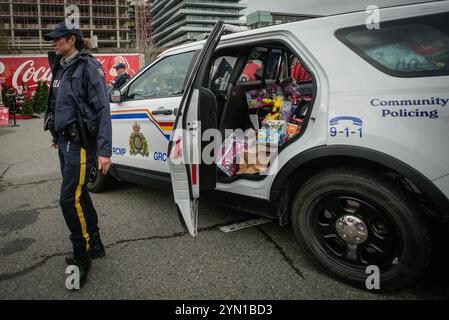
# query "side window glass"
(164, 79)
(221, 72)
(409, 47)
(253, 70)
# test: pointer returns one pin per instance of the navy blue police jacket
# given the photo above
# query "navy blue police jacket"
(83, 86)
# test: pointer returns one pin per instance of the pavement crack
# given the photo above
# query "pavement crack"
(47, 208)
(6, 170)
(2, 187)
(282, 252)
(174, 235)
(13, 275)
(15, 186)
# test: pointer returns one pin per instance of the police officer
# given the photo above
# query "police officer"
(122, 76)
(78, 117)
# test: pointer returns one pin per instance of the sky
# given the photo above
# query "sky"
(319, 7)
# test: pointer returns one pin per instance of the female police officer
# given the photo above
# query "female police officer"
(79, 119)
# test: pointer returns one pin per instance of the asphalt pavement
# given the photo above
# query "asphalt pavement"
(149, 256)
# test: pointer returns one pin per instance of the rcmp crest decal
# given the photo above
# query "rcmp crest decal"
(137, 142)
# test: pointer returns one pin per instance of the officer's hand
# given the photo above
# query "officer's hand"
(54, 146)
(103, 164)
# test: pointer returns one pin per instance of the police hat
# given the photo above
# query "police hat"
(120, 66)
(62, 29)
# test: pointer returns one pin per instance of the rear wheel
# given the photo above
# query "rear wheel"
(97, 180)
(347, 220)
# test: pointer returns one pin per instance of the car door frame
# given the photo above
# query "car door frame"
(185, 177)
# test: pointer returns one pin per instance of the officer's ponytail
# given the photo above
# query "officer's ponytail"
(82, 43)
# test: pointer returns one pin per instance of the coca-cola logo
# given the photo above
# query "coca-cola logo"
(30, 73)
(28, 70)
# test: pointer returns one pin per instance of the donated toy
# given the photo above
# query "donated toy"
(275, 112)
(291, 90)
(292, 131)
(226, 160)
(272, 132)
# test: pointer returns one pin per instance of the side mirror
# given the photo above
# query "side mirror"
(115, 96)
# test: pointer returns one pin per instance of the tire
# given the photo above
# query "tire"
(346, 219)
(98, 182)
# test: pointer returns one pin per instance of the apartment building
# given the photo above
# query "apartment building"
(260, 19)
(178, 21)
(24, 22)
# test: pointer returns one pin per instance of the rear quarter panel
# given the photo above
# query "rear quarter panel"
(359, 90)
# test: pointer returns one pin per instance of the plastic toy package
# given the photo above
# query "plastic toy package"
(292, 131)
(227, 157)
(272, 132)
(286, 110)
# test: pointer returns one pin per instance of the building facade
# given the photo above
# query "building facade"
(260, 19)
(24, 22)
(178, 21)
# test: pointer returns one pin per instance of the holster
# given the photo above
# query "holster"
(81, 130)
(71, 132)
(82, 134)
(91, 127)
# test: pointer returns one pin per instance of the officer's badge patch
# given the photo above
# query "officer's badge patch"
(137, 142)
(101, 72)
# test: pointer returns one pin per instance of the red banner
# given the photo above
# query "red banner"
(29, 69)
(4, 117)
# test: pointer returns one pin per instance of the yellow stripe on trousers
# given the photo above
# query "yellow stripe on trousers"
(79, 210)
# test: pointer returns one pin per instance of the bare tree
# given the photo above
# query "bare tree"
(151, 53)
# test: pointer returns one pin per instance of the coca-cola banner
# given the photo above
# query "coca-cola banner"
(29, 69)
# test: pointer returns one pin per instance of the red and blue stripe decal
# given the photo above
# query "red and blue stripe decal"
(164, 127)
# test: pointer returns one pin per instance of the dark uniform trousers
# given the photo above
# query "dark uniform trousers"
(77, 208)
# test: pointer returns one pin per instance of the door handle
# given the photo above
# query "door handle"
(162, 111)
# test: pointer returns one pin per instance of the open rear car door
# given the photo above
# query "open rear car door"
(197, 113)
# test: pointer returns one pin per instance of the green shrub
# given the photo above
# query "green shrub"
(40, 98)
(27, 108)
(6, 100)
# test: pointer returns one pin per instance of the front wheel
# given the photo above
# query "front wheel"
(97, 180)
(349, 219)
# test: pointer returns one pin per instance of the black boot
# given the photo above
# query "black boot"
(96, 247)
(84, 271)
(96, 250)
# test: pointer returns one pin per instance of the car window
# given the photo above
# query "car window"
(255, 65)
(404, 48)
(163, 79)
(221, 72)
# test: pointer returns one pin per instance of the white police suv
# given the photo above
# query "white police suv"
(359, 116)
